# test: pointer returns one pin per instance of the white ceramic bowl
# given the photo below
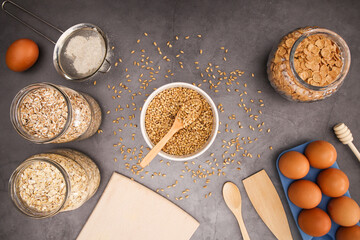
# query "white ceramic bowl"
(215, 123)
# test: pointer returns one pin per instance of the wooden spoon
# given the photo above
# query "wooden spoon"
(232, 199)
(187, 114)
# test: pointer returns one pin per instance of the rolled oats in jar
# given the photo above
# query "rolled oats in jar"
(48, 183)
(308, 64)
(47, 113)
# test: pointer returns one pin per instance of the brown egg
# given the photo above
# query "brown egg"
(348, 233)
(344, 211)
(321, 154)
(294, 165)
(314, 222)
(21, 55)
(333, 182)
(304, 194)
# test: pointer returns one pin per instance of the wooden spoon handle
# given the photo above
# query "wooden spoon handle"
(244, 232)
(152, 154)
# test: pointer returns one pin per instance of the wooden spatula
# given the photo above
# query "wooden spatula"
(267, 204)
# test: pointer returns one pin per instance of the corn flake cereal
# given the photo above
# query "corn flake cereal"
(317, 61)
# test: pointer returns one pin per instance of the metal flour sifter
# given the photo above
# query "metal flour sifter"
(66, 61)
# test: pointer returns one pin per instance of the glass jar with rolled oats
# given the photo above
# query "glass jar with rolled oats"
(48, 183)
(309, 64)
(48, 113)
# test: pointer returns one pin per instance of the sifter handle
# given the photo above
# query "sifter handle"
(106, 66)
(28, 25)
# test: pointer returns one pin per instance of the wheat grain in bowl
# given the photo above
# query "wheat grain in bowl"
(160, 116)
(189, 111)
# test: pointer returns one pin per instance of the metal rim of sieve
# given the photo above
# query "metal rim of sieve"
(62, 40)
(105, 64)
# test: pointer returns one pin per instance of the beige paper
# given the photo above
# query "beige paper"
(127, 210)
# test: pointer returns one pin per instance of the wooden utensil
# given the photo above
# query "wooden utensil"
(267, 204)
(232, 199)
(127, 210)
(187, 114)
(344, 135)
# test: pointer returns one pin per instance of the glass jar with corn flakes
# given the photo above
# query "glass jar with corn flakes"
(309, 64)
(57, 181)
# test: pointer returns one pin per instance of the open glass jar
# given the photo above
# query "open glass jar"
(48, 183)
(47, 113)
(309, 64)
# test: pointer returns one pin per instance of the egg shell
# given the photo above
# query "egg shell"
(314, 222)
(333, 182)
(294, 165)
(304, 194)
(344, 211)
(348, 233)
(321, 154)
(313, 173)
(21, 55)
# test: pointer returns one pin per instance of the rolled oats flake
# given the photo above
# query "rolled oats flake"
(42, 187)
(57, 114)
(43, 113)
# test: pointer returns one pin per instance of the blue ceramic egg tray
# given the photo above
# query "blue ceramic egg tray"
(313, 172)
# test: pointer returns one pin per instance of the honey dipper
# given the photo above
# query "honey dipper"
(344, 135)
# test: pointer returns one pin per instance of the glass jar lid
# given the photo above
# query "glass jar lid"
(39, 187)
(41, 112)
(339, 43)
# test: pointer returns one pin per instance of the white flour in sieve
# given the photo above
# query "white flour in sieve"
(86, 53)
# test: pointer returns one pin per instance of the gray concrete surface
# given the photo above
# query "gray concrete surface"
(249, 29)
